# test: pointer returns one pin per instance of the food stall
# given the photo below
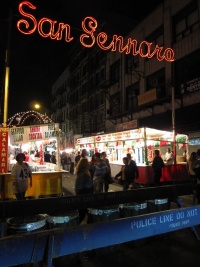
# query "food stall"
(86, 143)
(141, 143)
(47, 177)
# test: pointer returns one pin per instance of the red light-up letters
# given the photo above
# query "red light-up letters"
(52, 33)
(117, 41)
(90, 38)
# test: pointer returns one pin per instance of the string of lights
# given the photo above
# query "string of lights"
(21, 117)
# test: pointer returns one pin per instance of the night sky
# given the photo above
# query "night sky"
(36, 62)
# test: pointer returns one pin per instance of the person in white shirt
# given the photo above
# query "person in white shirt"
(169, 157)
(32, 159)
(20, 173)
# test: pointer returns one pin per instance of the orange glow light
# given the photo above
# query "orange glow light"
(89, 38)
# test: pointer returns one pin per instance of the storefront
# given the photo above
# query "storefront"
(141, 143)
(87, 143)
(47, 177)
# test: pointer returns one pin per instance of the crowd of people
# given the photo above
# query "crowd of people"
(94, 176)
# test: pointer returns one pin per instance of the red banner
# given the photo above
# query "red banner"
(3, 150)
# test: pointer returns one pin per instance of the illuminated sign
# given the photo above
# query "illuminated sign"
(3, 149)
(126, 135)
(85, 140)
(58, 31)
(33, 133)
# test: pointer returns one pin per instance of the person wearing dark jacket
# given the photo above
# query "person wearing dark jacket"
(83, 184)
(128, 173)
(157, 166)
(132, 169)
(53, 157)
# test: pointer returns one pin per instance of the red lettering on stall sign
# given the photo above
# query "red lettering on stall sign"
(35, 129)
(3, 150)
(98, 138)
(34, 136)
(90, 37)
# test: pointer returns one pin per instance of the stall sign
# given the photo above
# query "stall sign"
(117, 136)
(85, 140)
(194, 142)
(3, 149)
(101, 138)
(126, 125)
(33, 133)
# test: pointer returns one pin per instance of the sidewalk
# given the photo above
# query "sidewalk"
(69, 182)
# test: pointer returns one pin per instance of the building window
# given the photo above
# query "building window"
(156, 81)
(84, 88)
(131, 63)
(103, 74)
(155, 38)
(114, 72)
(115, 104)
(132, 92)
(84, 70)
(187, 69)
(186, 21)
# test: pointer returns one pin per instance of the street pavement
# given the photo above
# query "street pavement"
(175, 249)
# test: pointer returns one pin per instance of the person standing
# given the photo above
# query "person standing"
(157, 166)
(77, 158)
(47, 157)
(169, 157)
(72, 162)
(193, 169)
(20, 173)
(107, 177)
(76, 161)
(121, 174)
(32, 159)
(132, 169)
(100, 170)
(53, 157)
(84, 153)
(92, 167)
(83, 184)
(26, 156)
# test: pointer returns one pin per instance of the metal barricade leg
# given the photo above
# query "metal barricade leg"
(193, 227)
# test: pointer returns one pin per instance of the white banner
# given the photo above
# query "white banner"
(33, 133)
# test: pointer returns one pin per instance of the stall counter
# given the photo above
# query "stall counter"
(177, 173)
(43, 184)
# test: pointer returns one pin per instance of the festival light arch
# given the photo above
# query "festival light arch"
(22, 118)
